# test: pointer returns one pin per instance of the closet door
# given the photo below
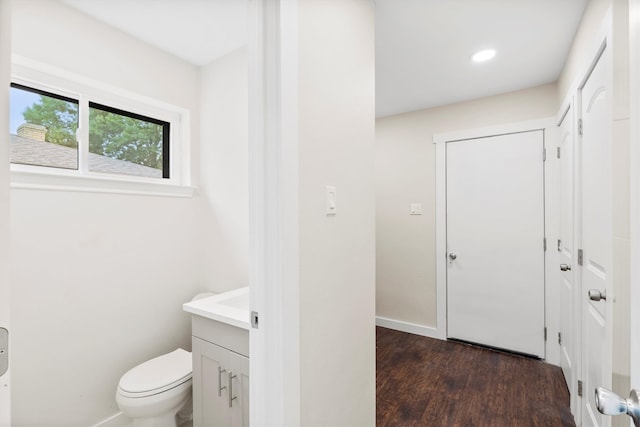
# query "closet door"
(569, 330)
(596, 235)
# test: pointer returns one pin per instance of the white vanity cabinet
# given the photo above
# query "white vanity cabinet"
(220, 351)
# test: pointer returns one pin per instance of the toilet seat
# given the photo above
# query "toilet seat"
(157, 375)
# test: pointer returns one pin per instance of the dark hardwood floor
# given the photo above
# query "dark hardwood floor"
(427, 382)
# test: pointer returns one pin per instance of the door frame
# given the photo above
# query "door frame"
(568, 112)
(274, 347)
(5, 286)
(551, 307)
(634, 81)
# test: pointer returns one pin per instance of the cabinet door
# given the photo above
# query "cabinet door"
(239, 368)
(210, 385)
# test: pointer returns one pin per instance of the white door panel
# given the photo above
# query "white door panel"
(596, 235)
(495, 228)
(569, 328)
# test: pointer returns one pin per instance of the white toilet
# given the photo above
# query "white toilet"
(157, 393)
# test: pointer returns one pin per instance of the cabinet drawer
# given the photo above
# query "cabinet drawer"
(230, 337)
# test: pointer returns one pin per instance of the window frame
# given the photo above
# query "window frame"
(66, 98)
(53, 81)
(166, 132)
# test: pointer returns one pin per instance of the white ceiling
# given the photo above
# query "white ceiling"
(423, 47)
(197, 31)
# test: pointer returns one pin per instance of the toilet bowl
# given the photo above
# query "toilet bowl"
(157, 393)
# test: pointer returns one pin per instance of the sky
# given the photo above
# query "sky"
(19, 100)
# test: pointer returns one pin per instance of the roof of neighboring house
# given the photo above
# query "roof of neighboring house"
(30, 152)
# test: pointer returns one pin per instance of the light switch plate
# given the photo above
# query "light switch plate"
(415, 209)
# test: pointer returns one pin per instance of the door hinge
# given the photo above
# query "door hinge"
(579, 388)
(558, 152)
(545, 333)
(544, 244)
(254, 319)
(580, 256)
(544, 154)
(560, 338)
(579, 126)
(559, 245)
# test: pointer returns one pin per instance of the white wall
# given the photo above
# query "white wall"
(405, 173)
(99, 279)
(224, 166)
(582, 43)
(621, 194)
(335, 129)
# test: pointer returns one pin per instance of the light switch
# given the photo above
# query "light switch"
(331, 200)
(416, 209)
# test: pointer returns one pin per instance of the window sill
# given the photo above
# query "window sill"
(28, 180)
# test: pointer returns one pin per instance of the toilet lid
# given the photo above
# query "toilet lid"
(162, 372)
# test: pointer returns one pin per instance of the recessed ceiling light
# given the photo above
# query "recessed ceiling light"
(483, 55)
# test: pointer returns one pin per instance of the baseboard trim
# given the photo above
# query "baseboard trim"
(412, 328)
(117, 420)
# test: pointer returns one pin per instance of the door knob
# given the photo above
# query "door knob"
(565, 267)
(452, 256)
(609, 403)
(597, 295)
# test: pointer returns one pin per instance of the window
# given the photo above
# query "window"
(44, 132)
(43, 128)
(80, 134)
(127, 143)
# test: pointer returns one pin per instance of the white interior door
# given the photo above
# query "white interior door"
(596, 235)
(495, 232)
(569, 328)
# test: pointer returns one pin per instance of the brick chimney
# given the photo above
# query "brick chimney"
(31, 131)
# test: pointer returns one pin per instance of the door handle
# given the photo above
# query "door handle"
(231, 396)
(609, 403)
(220, 386)
(565, 267)
(597, 295)
(452, 256)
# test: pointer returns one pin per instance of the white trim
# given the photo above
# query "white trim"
(634, 80)
(273, 207)
(273, 213)
(441, 239)
(412, 328)
(524, 126)
(117, 420)
(52, 79)
(51, 181)
(67, 82)
(440, 140)
(5, 202)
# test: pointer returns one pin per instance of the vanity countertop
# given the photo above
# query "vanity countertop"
(230, 307)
